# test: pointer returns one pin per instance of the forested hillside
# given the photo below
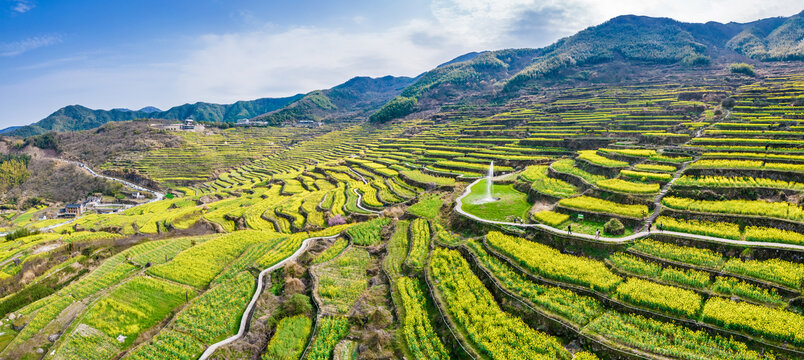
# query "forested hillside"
(629, 41)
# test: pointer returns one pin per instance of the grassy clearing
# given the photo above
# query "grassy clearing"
(427, 208)
(510, 204)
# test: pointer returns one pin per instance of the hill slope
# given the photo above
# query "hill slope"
(356, 98)
(772, 39)
(629, 39)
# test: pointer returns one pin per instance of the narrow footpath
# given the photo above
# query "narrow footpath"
(622, 240)
(657, 201)
(246, 318)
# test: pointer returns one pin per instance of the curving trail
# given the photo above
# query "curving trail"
(362, 178)
(360, 197)
(246, 318)
(360, 200)
(622, 240)
(157, 195)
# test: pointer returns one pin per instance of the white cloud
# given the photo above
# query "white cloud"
(21, 46)
(274, 62)
(501, 23)
(22, 6)
(279, 63)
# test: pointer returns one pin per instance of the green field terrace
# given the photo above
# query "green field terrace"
(695, 192)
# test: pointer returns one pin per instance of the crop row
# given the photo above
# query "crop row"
(419, 244)
(576, 308)
(737, 182)
(604, 206)
(540, 182)
(289, 339)
(779, 210)
(368, 233)
(746, 164)
(494, 332)
(773, 270)
(198, 265)
(550, 217)
(552, 264)
(620, 185)
(330, 331)
(420, 337)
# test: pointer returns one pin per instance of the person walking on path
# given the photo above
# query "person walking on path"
(661, 227)
(597, 234)
(569, 229)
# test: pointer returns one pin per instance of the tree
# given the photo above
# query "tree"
(45, 141)
(12, 173)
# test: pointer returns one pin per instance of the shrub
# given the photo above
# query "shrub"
(614, 227)
(742, 68)
(24, 297)
(21, 233)
(695, 59)
(293, 286)
(296, 305)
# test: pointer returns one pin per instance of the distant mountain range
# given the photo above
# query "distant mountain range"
(626, 39)
(631, 40)
(354, 100)
(9, 129)
(147, 109)
(77, 117)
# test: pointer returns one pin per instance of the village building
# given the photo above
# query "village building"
(72, 210)
(249, 122)
(186, 125)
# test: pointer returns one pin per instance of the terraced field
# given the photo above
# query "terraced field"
(647, 221)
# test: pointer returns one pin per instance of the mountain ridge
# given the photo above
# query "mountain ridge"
(79, 117)
(357, 97)
(627, 39)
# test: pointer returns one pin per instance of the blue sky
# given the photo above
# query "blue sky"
(106, 54)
